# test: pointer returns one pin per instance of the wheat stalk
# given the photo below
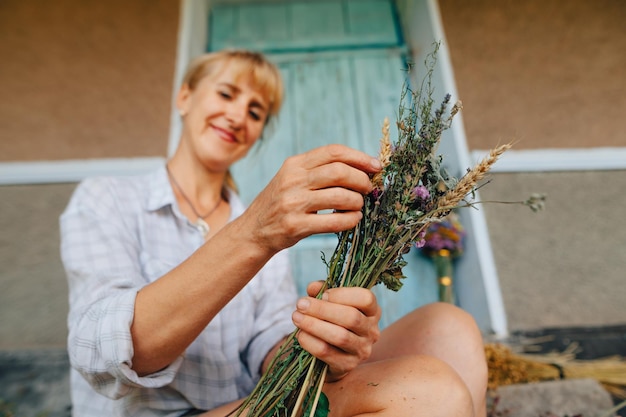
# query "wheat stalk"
(468, 182)
(384, 155)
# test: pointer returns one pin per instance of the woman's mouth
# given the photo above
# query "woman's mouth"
(225, 134)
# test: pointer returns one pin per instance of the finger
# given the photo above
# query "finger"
(316, 316)
(336, 186)
(330, 223)
(338, 360)
(334, 199)
(362, 299)
(338, 174)
(340, 153)
(314, 287)
(333, 174)
(325, 338)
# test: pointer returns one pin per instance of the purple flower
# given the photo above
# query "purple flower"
(421, 192)
(447, 234)
(420, 239)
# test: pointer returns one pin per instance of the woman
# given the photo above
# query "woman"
(179, 297)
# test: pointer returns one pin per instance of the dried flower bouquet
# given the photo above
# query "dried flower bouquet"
(411, 192)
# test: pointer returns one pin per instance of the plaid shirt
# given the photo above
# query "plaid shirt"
(119, 234)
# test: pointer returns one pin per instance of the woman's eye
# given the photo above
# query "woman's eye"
(255, 116)
(225, 94)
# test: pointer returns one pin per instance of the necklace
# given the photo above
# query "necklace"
(200, 223)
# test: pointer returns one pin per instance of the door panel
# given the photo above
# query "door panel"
(304, 25)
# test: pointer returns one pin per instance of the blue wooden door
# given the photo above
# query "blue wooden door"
(343, 66)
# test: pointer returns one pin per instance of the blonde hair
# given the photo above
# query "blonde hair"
(263, 75)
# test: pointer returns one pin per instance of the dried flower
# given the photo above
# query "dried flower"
(536, 202)
(421, 193)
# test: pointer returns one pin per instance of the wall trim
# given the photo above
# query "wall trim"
(553, 160)
(513, 161)
(74, 170)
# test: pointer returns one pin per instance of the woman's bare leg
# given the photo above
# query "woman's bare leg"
(445, 332)
(407, 386)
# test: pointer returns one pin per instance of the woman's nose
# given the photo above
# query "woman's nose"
(236, 113)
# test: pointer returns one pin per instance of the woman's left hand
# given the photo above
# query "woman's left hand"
(340, 329)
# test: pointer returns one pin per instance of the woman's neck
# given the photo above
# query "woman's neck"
(192, 181)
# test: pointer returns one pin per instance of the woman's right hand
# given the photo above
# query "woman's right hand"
(330, 177)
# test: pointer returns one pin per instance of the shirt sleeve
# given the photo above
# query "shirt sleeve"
(275, 304)
(100, 254)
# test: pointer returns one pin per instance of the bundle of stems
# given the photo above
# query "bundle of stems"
(508, 367)
(411, 192)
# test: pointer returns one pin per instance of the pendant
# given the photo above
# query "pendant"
(202, 226)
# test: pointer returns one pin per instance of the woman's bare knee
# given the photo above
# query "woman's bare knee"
(445, 332)
(406, 386)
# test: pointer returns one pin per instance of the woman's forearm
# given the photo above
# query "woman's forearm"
(172, 311)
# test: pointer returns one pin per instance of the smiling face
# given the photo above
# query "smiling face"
(224, 117)
(225, 105)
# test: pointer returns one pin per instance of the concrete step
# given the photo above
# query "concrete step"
(563, 398)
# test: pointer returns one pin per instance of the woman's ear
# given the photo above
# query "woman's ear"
(182, 100)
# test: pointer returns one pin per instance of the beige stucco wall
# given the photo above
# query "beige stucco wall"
(93, 79)
(86, 78)
(545, 73)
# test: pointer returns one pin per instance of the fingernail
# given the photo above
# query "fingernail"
(297, 317)
(325, 296)
(376, 164)
(303, 304)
